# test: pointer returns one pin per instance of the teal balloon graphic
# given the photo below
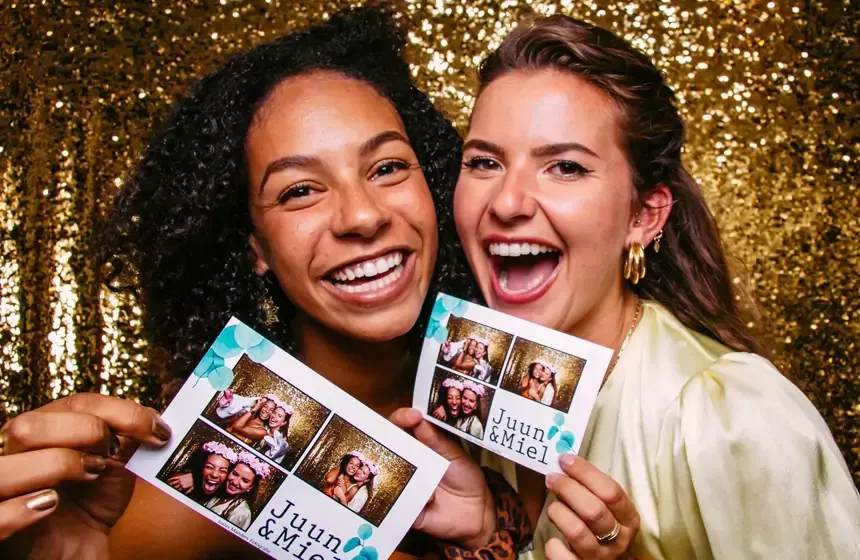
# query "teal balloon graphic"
(440, 335)
(559, 419)
(246, 337)
(565, 442)
(262, 351)
(365, 531)
(368, 553)
(439, 311)
(552, 431)
(221, 377)
(352, 544)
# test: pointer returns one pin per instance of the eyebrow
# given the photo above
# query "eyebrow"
(540, 151)
(290, 162)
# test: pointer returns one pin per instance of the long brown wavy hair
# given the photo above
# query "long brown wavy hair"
(689, 276)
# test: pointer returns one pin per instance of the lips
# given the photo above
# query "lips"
(233, 488)
(210, 484)
(522, 270)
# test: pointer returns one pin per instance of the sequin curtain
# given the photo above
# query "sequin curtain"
(769, 90)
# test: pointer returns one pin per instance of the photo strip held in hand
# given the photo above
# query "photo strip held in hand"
(542, 374)
(266, 413)
(220, 475)
(474, 349)
(460, 402)
(355, 470)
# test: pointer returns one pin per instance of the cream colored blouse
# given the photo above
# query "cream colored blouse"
(722, 456)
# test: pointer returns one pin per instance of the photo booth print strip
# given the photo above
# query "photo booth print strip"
(521, 429)
(280, 527)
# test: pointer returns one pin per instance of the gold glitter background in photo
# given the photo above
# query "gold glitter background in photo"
(436, 398)
(254, 380)
(339, 438)
(460, 329)
(198, 435)
(567, 375)
(768, 90)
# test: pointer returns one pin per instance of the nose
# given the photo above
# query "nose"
(361, 212)
(514, 201)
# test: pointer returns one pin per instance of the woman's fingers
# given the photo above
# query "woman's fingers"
(604, 487)
(125, 417)
(406, 418)
(41, 430)
(579, 536)
(44, 468)
(555, 550)
(21, 512)
(590, 511)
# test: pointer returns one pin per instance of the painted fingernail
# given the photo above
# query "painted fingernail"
(161, 429)
(114, 444)
(567, 460)
(44, 501)
(551, 479)
(94, 464)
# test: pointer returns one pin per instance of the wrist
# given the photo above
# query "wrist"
(489, 526)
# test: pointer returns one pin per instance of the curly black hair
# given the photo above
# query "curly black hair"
(181, 224)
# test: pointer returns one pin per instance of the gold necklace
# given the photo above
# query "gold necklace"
(636, 317)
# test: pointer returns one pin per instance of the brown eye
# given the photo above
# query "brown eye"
(389, 168)
(482, 164)
(569, 169)
(296, 191)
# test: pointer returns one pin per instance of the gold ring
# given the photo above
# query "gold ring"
(610, 536)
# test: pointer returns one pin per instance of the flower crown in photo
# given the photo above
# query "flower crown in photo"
(481, 340)
(374, 470)
(476, 388)
(453, 383)
(552, 367)
(258, 466)
(280, 404)
(220, 449)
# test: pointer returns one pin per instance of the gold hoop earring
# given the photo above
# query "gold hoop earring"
(657, 241)
(634, 267)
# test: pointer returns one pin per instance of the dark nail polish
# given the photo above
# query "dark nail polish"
(94, 464)
(114, 445)
(44, 501)
(161, 430)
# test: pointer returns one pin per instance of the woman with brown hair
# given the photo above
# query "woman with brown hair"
(576, 212)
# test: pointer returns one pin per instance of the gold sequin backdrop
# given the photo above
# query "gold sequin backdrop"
(768, 90)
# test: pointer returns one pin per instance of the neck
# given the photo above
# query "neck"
(372, 372)
(609, 322)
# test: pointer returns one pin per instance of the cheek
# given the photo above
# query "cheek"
(290, 241)
(469, 205)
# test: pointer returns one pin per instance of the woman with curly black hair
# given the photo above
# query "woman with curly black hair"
(294, 189)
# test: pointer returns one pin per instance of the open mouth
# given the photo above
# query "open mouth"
(522, 271)
(232, 488)
(373, 280)
(210, 485)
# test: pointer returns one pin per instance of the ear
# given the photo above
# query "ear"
(654, 208)
(258, 256)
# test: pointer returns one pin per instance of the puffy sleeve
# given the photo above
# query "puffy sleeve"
(747, 468)
(357, 502)
(453, 349)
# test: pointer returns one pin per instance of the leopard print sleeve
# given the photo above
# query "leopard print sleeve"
(514, 532)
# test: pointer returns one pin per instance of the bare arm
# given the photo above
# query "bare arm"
(241, 426)
(331, 476)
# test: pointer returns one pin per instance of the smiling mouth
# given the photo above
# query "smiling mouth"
(522, 271)
(209, 485)
(233, 488)
(370, 275)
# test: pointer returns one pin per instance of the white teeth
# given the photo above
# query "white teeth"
(519, 249)
(378, 284)
(350, 275)
(369, 269)
(381, 265)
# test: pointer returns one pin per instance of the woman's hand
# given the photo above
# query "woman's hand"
(339, 495)
(63, 465)
(461, 509)
(590, 505)
(182, 482)
(438, 414)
